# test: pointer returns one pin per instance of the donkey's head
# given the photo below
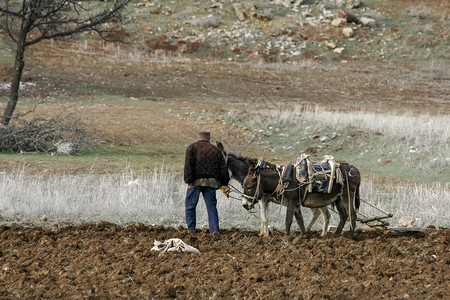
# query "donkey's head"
(237, 164)
(251, 188)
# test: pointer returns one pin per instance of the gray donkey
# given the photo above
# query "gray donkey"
(239, 166)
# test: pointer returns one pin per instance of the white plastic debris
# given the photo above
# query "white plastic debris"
(173, 245)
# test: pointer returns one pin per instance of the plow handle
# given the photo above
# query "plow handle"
(367, 220)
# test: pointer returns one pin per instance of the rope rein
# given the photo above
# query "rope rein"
(373, 206)
(235, 189)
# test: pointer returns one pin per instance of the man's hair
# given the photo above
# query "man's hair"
(204, 135)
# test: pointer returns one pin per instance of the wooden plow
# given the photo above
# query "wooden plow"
(377, 221)
(380, 222)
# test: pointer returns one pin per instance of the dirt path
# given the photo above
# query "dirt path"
(103, 260)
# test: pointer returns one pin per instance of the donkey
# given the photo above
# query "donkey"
(238, 167)
(345, 197)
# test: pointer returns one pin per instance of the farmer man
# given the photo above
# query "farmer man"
(205, 170)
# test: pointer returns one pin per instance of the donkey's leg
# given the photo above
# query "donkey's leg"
(351, 208)
(264, 206)
(326, 220)
(299, 219)
(289, 216)
(316, 214)
(348, 200)
(262, 216)
(342, 215)
(266, 210)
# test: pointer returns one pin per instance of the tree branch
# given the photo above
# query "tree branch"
(75, 25)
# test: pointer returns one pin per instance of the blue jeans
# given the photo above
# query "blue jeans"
(209, 195)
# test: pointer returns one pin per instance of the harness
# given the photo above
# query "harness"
(319, 177)
(254, 198)
(285, 173)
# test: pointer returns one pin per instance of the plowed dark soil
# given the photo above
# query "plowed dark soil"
(106, 261)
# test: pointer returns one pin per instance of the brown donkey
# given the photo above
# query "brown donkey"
(238, 167)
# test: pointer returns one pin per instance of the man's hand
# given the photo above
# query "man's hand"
(226, 190)
(188, 186)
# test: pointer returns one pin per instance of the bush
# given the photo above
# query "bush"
(64, 135)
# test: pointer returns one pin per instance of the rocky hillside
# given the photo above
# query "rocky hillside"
(290, 30)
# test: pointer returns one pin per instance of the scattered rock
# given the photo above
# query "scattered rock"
(348, 3)
(286, 39)
(289, 3)
(408, 221)
(349, 17)
(184, 46)
(368, 22)
(249, 11)
(339, 22)
(209, 21)
(307, 14)
(216, 5)
(330, 45)
(339, 50)
(348, 32)
(239, 11)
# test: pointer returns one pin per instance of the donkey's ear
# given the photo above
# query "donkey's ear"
(256, 171)
(220, 146)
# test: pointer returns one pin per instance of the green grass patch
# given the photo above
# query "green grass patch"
(106, 159)
(406, 158)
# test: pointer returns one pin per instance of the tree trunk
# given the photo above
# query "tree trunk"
(15, 85)
(17, 75)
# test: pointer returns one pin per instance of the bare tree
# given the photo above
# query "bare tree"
(28, 22)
